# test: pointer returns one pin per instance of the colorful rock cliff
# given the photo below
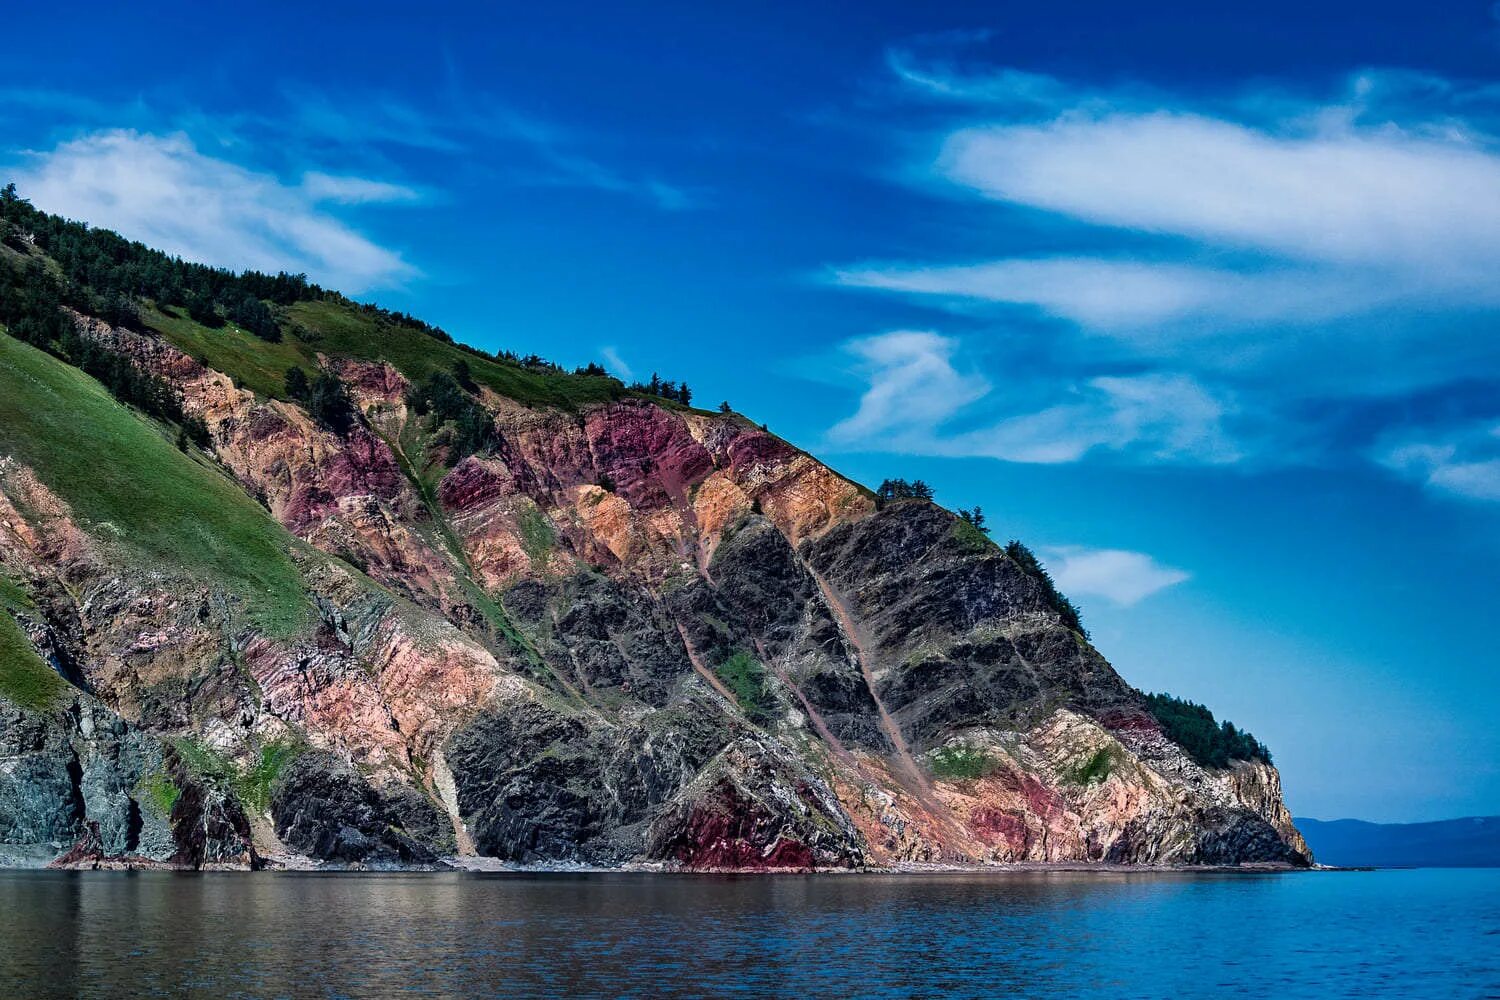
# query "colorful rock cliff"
(624, 631)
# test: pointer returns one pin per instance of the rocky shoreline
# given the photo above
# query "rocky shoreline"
(494, 866)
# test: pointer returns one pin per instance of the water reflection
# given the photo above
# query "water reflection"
(442, 935)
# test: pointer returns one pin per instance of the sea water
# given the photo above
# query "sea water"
(1420, 933)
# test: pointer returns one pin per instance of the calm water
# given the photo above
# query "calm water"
(1365, 934)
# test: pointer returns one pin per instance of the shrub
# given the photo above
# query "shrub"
(328, 402)
(445, 398)
(297, 386)
(962, 762)
(745, 677)
(1095, 769)
(900, 489)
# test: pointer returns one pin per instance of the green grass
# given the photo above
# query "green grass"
(537, 537)
(203, 761)
(258, 365)
(129, 485)
(971, 538)
(13, 595)
(162, 792)
(336, 329)
(962, 762)
(745, 677)
(252, 785)
(25, 678)
(1094, 770)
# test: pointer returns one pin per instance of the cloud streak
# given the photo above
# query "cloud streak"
(1124, 578)
(918, 401)
(457, 126)
(161, 190)
(1461, 462)
(616, 363)
(347, 190)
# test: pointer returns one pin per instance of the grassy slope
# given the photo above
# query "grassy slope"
(130, 486)
(259, 366)
(339, 331)
(335, 329)
(25, 678)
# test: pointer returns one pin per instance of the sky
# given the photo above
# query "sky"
(1198, 300)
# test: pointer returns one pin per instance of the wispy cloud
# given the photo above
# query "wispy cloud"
(1363, 215)
(617, 365)
(913, 387)
(1462, 461)
(1304, 211)
(544, 153)
(346, 190)
(161, 190)
(312, 128)
(1239, 266)
(1119, 576)
(917, 400)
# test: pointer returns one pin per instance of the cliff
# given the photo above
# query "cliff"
(622, 631)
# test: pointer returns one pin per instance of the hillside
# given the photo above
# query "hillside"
(287, 579)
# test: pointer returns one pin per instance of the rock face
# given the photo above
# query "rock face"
(80, 788)
(323, 808)
(625, 633)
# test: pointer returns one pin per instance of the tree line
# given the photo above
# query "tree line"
(105, 275)
(665, 390)
(1207, 741)
(31, 310)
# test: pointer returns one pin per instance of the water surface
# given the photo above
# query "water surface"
(1427, 933)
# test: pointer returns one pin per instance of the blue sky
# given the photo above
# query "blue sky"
(1198, 302)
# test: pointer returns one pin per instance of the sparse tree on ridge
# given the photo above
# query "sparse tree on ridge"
(975, 517)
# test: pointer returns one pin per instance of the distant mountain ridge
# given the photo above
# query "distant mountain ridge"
(1469, 842)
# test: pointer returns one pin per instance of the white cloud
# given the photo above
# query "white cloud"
(1324, 212)
(1131, 298)
(347, 190)
(162, 191)
(1117, 575)
(1261, 265)
(1425, 208)
(916, 400)
(913, 387)
(1462, 462)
